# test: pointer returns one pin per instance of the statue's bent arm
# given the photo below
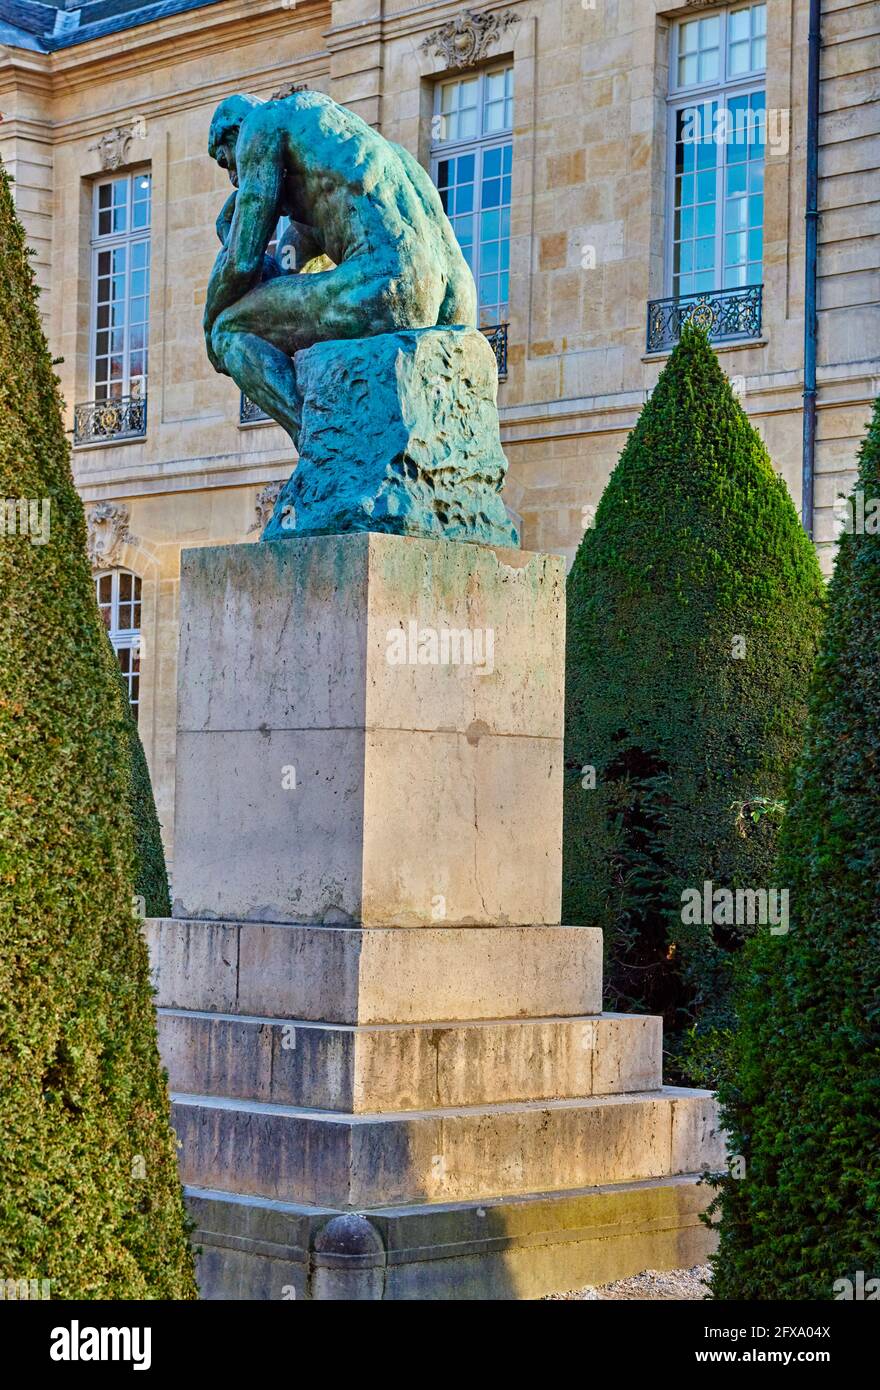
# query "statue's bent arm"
(253, 222)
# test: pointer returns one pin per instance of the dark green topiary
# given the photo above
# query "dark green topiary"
(89, 1192)
(803, 1107)
(151, 875)
(696, 543)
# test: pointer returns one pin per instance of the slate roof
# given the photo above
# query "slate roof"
(31, 23)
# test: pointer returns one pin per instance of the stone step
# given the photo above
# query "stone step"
(331, 974)
(504, 1248)
(447, 1155)
(392, 1067)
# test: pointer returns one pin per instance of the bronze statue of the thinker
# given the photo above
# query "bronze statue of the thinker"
(369, 251)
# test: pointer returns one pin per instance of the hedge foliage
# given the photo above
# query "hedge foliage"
(151, 874)
(694, 607)
(89, 1192)
(803, 1105)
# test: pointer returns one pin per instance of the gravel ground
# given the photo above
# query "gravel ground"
(667, 1284)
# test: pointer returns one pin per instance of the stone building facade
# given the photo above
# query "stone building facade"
(594, 163)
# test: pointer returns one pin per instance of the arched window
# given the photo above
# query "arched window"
(119, 599)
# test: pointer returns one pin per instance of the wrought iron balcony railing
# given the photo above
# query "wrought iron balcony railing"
(497, 336)
(725, 314)
(250, 414)
(117, 417)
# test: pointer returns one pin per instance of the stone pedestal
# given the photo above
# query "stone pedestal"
(367, 1006)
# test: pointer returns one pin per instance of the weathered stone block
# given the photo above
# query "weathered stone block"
(346, 674)
(498, 1248)
(379, 1068)
(400, 434)
(376, 974)
(453, 1154)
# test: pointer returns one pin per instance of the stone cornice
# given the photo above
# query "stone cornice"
(310, 68)
(166, 42)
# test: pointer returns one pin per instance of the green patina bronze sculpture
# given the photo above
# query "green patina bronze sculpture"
(358, 335)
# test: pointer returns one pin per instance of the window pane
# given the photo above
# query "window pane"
(705, 253)
(688, 36)
(740, 26)
(120, 205)
(706, 187)
(490, 226)
(735, 248)
(706, 220)
(688, 70)
(710, 32)
(467, 124)
(709, 67)
(740, 58)
(736, 214)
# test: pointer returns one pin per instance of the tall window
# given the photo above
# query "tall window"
(718, 133)
(121, 286)
(119, 601)
(472, 158)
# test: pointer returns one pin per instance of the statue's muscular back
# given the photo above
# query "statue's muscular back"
(366, 199)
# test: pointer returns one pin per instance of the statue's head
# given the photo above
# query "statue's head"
(225, 125)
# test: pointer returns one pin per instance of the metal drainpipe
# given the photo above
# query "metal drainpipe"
(811, 258)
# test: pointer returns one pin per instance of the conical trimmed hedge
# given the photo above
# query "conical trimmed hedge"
(89, 1193)
(694, 607)
(803, 1107)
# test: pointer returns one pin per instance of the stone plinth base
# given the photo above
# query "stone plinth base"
(391, 1075)
(370, 732)
(500, 1248)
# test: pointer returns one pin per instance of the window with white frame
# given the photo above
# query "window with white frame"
(718, 126)
(119, 602)
(120, 286)
(472, 159)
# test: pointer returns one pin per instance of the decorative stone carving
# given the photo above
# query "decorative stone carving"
(107, 526)
(465, 40)
(290, 90)
(265, 505)
(114, 145)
